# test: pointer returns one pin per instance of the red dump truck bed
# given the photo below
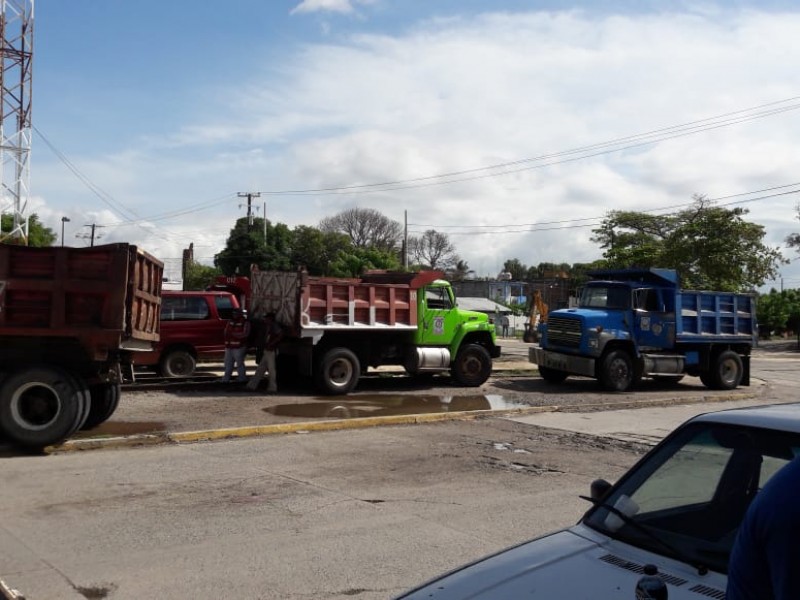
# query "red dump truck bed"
(376, 301)
(110, 292)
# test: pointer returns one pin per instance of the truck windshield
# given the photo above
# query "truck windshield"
(606, 296)
(693, 491)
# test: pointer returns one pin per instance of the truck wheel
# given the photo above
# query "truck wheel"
(177, 363)
(80, 385)
(727, 371)
(105, 400)
(338, 371)
(616, 371)
(40, 406)
(552, 375)
(472, 365)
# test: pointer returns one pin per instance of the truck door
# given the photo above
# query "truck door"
(439, 317)
(654, 326)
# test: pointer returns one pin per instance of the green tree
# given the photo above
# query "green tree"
(315, 250)
(353, 262)
(199, 277)
(38, 235)
(711, 247)
(518, 270)
(460, 271)
(246, 246)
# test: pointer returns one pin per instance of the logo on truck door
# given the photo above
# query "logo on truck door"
(438, 325)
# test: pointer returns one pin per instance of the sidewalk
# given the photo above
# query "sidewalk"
(643, 425)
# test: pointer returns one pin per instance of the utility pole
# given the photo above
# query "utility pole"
(86, 236)
(249, 196)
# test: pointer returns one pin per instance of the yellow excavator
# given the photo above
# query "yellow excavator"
(537, 315)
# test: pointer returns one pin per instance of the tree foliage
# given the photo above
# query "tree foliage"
(460, 271)
(366, 228)
(320, 253)
(39, 236)
(779, 311)
(199, 277)
(711, 247)
(793, 240)
(433, 250)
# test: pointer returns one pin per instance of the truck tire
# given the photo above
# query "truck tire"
(177, 363)
(552, 375)
(40, 406)
(726, 372)
(83, 390)
(338, 371)
(617, 373)
(105, 400)
(472, 365)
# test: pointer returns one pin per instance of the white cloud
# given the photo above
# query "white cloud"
(458, 94)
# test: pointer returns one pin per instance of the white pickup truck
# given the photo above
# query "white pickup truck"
(665, 529)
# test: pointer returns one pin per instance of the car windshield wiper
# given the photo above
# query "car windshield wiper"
(702, 569)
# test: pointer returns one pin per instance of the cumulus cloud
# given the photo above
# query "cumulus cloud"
(458, 94)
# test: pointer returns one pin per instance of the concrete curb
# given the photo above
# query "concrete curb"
(359, 423)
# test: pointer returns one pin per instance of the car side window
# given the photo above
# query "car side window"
(193, 308)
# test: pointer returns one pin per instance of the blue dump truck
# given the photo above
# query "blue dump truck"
(634, 323)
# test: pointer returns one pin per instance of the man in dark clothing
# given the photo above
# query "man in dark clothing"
(765, 561)
(272, 332)
(237, 331)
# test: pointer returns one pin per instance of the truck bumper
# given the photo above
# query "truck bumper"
(577, 365)
(494, 351)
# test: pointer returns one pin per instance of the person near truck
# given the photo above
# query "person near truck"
(765, 560)
(237, 331)
(273, 332)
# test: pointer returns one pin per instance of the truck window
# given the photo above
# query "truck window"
(647, 299)
(438, 298)
(602, 296)
(194, 308)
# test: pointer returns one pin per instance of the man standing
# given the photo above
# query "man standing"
(236, 333)
(273, 332)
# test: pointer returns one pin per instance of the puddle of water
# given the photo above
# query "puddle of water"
(388, 405)
(120, 428)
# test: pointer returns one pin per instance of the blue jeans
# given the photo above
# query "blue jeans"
(235, 356)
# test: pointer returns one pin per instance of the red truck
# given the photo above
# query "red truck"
(70, 321)
(192, 331)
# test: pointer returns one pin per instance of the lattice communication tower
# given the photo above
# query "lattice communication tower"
(16, 54)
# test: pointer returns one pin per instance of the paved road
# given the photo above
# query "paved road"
(343, 514)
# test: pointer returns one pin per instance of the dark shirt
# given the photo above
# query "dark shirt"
(765, 561)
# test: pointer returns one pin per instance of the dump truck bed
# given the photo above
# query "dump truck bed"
(110, 294)
(707, 315)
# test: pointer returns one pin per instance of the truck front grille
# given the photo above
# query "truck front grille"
(563, 331)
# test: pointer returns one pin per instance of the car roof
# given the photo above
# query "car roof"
(782, 417)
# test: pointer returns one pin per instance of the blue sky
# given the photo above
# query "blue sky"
(169, 109)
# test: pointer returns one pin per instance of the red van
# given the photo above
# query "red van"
(192, 331)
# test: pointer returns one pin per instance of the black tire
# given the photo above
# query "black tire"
(83, 390)
(727, 371)
(472, 365)
(338, 371)
(40, 406)
(105, 400)
(177, 363)
(552, 375)
(617, 373)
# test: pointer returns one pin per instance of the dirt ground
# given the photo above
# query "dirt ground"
(514, 385)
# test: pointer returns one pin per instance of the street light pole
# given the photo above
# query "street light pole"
(63, 220)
